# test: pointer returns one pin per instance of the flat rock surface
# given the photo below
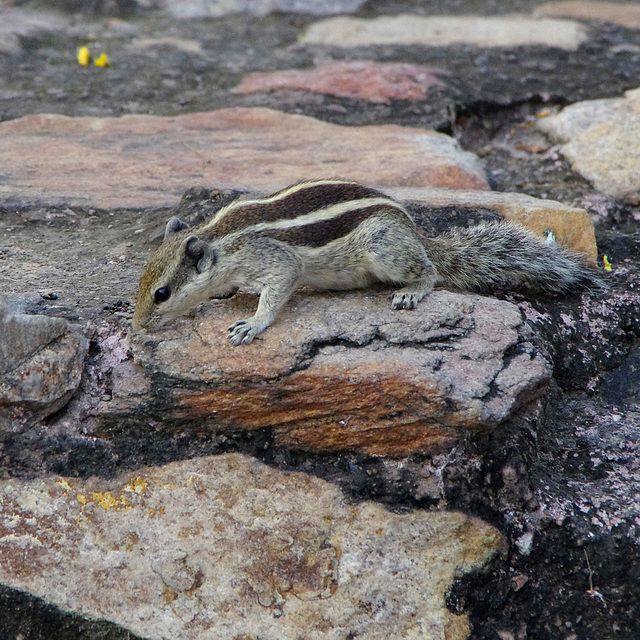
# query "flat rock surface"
(436, 31)
(601, 139)
(217, 8)
(196, 542)
(146, 161)
(366, 80)
(626, 14)
(17, 24)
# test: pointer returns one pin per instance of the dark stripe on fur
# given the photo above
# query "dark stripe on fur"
(307, 200)
(318, 234)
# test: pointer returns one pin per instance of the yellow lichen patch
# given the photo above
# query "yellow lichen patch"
(607, 264)
(107, 502)
(84, 57)
(137, 485)
(64, 484)
(102, 61)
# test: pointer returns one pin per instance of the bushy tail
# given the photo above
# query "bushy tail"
(502, 255)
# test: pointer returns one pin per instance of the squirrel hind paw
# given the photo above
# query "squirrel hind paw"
(404, 300)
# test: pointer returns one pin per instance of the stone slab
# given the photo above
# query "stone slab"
(368, 80)
(626, 14)
(440, 31)
(601, 139)
(227, 548)
(146, 161)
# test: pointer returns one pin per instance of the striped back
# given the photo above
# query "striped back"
(309, 213)
(298, 205)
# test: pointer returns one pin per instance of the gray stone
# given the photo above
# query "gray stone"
(226, 547)
(625, 13)
(217, 8)
(406, 29)
(601, 139)
(41, 362)
(17, 23)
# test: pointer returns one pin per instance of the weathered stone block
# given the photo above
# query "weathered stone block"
(147, 161)
(347, 372)
(226, 547)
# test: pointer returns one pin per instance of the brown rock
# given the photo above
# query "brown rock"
(373, 81)
(226, 547)
(572, 227)
(347, 372)
(144, 161)
(626, 14)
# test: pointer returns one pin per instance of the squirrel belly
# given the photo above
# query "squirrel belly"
(333, 234)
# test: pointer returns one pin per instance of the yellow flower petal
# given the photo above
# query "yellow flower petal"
(607, 264)
(102, 61)
(84, 56)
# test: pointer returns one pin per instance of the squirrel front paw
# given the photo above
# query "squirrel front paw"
(243, 332)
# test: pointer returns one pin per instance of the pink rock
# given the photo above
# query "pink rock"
(373, 81)
(144, 161)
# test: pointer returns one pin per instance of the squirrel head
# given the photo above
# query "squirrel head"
(175, 277)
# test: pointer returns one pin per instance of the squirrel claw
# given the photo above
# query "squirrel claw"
(242, 332)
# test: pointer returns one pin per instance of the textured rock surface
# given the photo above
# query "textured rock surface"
(41, 361)
(142, 161)
(446, 30)
(371, 81)
(626, 14)
(198, 542)
(415, 381)
(601, 139)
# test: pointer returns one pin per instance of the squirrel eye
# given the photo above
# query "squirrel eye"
(162, 294)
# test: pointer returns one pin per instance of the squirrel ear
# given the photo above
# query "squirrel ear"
(198, 254)
(174, 225)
